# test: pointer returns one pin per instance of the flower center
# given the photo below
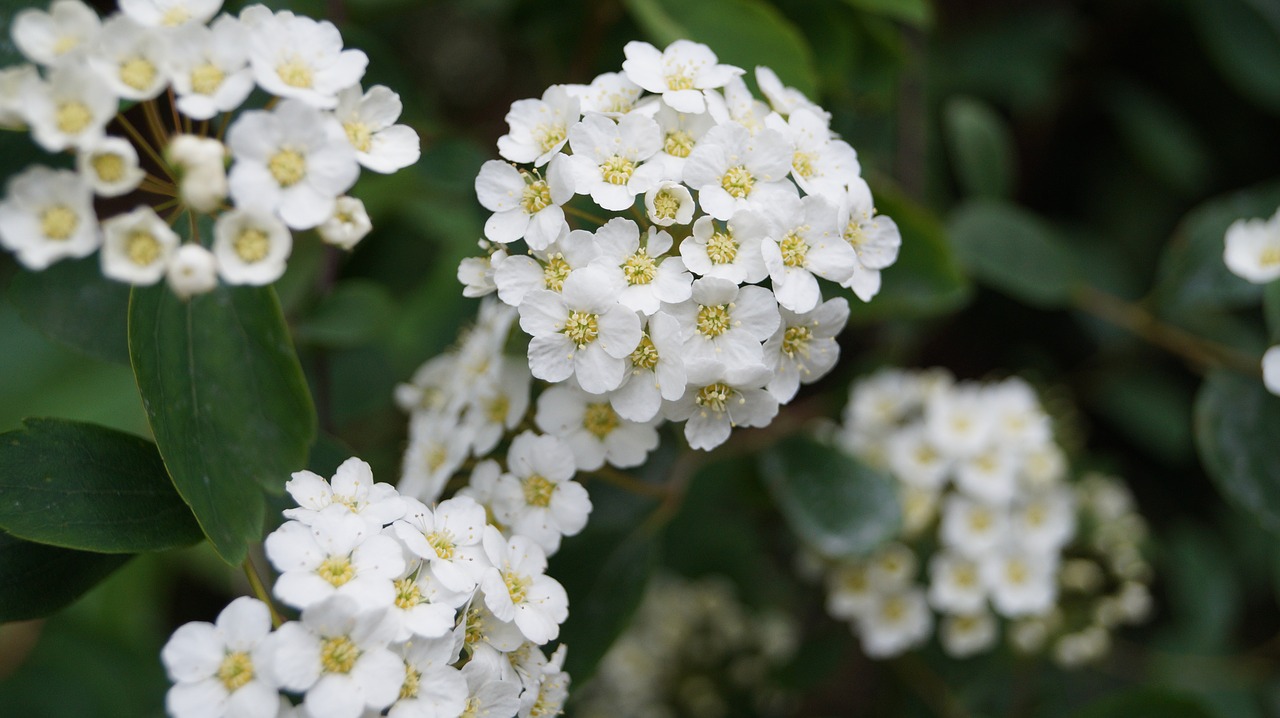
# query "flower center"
(108, 166)
(337, 570)
(288, 167)
(679, 80)
(517, 586)
(496, 409)
(678, 143)
(556, 271)
(737, 181)
(359, 135)
(443, 544)
(251, 245)
(235, 671)
(65, 44)
(640, 268)
(72, 117)
(1269, 257)
(802, 163)
(617, 169)
(645, 355)
(409, 689)
(474, 632)
(295, 73)
(794, 249)
(796, 341)
(666, 204)
(436, 456)
(1016, 572)
(721, 248)
(855, 580)
(472, 708)
(538, 491)
(338, 654)
(582, 328)
(535, 197)
(980, 521)
(714, 320)
(966, 577)
(175, 16)
(408, 594)
(600, 419)
(548, 136)
(138, 73)
(714, 396)
(206, 79)
(142, 248)
(854, 234)
(894, 609)
(59, 222)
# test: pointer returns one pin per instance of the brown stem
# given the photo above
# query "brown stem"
(259, 590)
(627, 482)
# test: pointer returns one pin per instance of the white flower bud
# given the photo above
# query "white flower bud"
(193, 270)
(201, 161)
(348, 225)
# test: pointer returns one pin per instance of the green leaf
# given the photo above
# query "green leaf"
(1236, 424)
(1271, 309)
(40, 580)
(1161, 138)
(1149, 404)
(1014, 251)
(837, 504)
(925, 280)
(912, 12)
(1146, 703)
(357, 312)
(72, 303)
(1244, 43)
(981, 147)
(745, 33)
(85, 487)
(1191, 273)
(227, 402)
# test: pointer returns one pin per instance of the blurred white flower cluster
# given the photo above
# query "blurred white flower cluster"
(693, 649)
(143, 100)
(662, 233)
(991, 526)
(407, 610)
(1251, 250)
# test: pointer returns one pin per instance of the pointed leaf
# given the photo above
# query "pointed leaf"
(1237, 422)
(981, 147)
(40, 580)
(72, 303)
(1014, 251)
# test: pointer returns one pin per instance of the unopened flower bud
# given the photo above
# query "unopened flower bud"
(193, 270)
(348, 225)
(201, 162)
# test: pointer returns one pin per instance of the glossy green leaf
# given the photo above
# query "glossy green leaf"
(745, 33)
(914, 12)
(1236, 424)
(357, 312)
(1014, 251)
(227, 402)
(1243, 40)
(72, 303)
(835, 503)
(981, 147)
(1146, 703)
(40, 580)
(86, 487)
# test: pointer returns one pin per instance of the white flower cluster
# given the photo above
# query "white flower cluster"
(407, 610)
(986, 511)
(651, 301)
(291, 163)
(692, 649)
(1252, 252)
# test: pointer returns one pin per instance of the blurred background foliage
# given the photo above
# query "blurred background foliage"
(1063, 171)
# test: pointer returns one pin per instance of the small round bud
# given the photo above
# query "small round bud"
(193, 270)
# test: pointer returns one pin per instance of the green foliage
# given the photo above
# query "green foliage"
(81, 486)
(357, 312)
(72, 302)
(834, 502)
(981, 147)
(1146, 703)
(1237, 421)
(1014, 251)
(40, 580)
(912, 12)
(1243, 40)
(227, 403)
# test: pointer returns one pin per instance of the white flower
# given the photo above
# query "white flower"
(1252, 249)
(170, 13)
(657, 371)
(48, 37)
(892, 567)
(17, 83)
(294, 160)
(610, 94)
(1044, 522)
(680, 134)
(732, 169)
(221, 669)
(202, 167)
(516, 589)
(989, 476)
(1020, 582)
(738, 105)
(726, 323)
(895, 623)
(437, 447)
(593, 429)
(732, 252)
(526, 205)
(1271, 369)
(137, 246)
(971, 528)
(336, 554)
(110, 166)
(488, 694)
(850, 592)
(874, 237)
(348, 225)
(369, 121)
(679, 73)
(608, 160)
(352, 488)
(647, 281)
(914, 460)
(70, 109)
(209, 67)
(582, 332)
(669, 203)
(955, 584)
(192, 270)
(298, 57)
(804, 349)
(785, 100)
(448, 537)
(539, 128)
(958, 421)
(338, 655)
(968, 634)
(820, 163)
(548, 695)
(415, 611)
(537, 497)
(47, 215)
(478, 274)
(432, 687)
(808, 243)
(719, 398)
(251, 246)
(547, 269)
(130, 58)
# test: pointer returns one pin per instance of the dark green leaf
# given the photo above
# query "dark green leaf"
(1146, 703)
(1014, 251)
(1237, 422)
(981, 147)
(86, 487)
(1203, 587)
(914, 12)
(72, 303)
(227, 402)
(1244, 43)
(357, 312)
(837, 504)
(1149, 404)
(745, 33)
(1271, 308)
(1164, 141)
(40, 580)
